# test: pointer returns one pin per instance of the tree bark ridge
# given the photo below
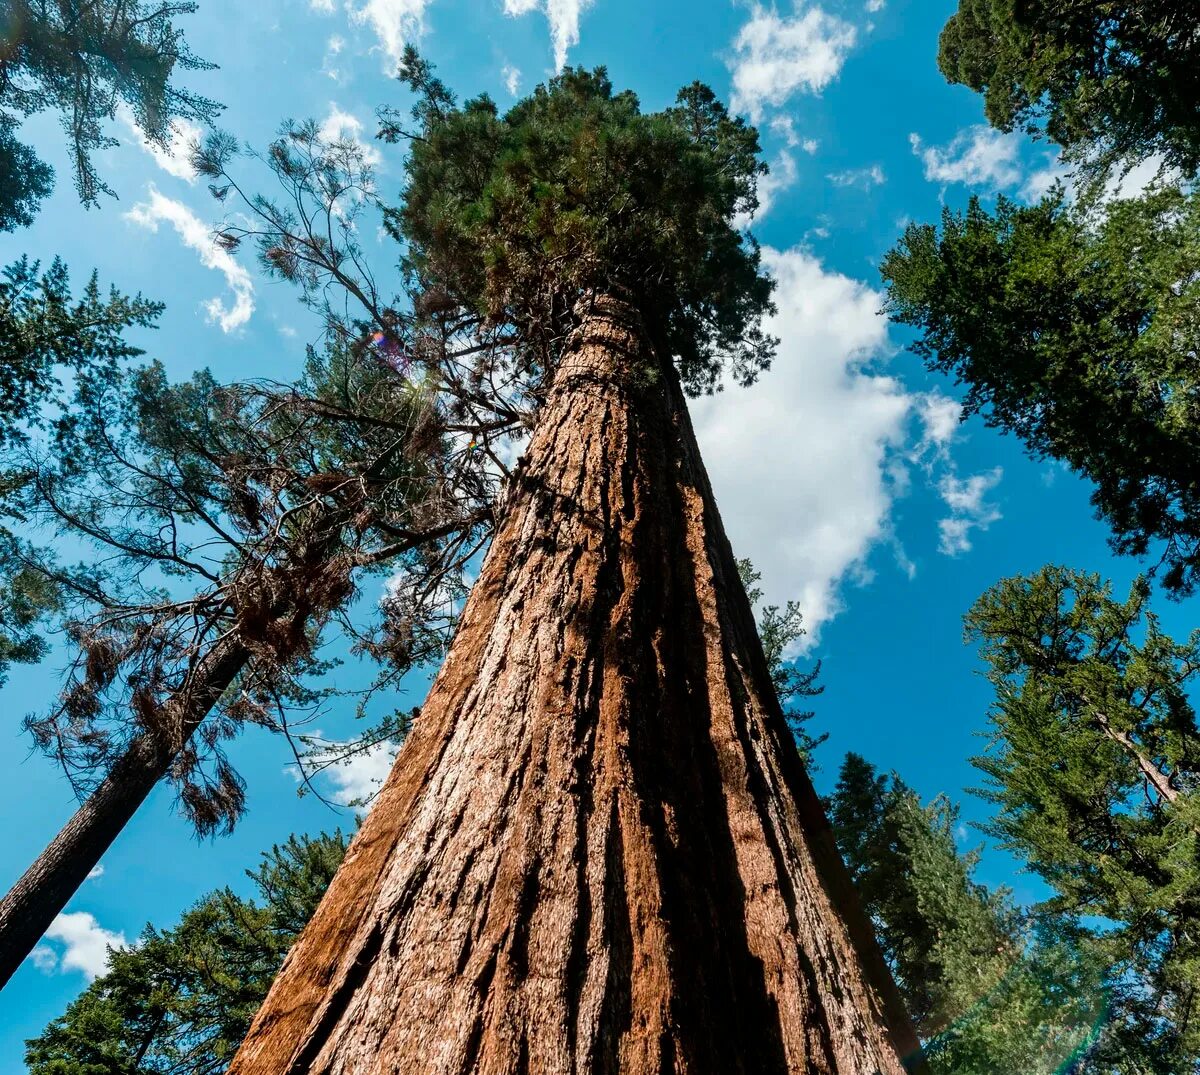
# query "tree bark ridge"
(598, 851)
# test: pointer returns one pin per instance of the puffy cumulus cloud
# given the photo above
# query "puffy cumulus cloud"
(969, 510)
(84, 945)
(198, 236)
(563, 16)
(862, 178)
(803, 462)
(394, 22)
(978, 156)
(775, 57)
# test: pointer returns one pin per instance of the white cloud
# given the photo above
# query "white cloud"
(85, 945)
(563, 16)
(323, 7)
(863, 178)
(395, 23)
(977, 156)
(176, 158)
(343, 126)
(198, 236)
(785, 127)
(940, 420)
(333, 49)
(1038, 183)
(358, 778)
(981, 156)
(782, 175)
(820, 430)
(776, 57)
(512, 79)
(875, 5)
(94, 872)
(968, 509)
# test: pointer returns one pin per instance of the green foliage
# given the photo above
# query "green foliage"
(181, 1000)
(24, 181)
(986, 996)
(86, 59)
(46, 336)
(576, 191)
(1094, 765)
(1079, 336)
(214, 509)
(779, 631)
(45, 332)
(1111, 80)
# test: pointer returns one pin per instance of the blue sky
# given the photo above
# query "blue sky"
(843, 474)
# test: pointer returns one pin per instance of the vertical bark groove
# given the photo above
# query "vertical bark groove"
(598, 851)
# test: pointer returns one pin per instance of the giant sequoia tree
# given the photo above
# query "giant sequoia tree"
(598, 849)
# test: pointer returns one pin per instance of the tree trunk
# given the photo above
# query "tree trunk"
(598, 850)
(31, 905)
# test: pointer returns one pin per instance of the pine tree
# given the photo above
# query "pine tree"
(988, 990)
(180, 1000)
(1093, 767)
(231, 525)
(86, 59)
(598, 849)
(1076, 335)
(46, 336)
(1112, 82)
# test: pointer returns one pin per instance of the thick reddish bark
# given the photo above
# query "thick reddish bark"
(598, 850)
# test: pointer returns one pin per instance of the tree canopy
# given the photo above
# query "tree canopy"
(573, 191)
(1113, 82)
(1079, 336)
(180, 1000)
(86, 59)
(988, 988)
(1093, 765)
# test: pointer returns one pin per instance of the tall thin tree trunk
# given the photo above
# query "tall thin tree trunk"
(44, 889)
(598, 850)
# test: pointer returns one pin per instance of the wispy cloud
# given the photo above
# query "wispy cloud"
(198, 236)
(512, 79)
(775, 57)
(394, 22)
(563, 16)
(978, 156)
(175, 159)
(863, 178)
(969, 510)
(783, 174)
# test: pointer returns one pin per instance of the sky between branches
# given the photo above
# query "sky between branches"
(843, 474)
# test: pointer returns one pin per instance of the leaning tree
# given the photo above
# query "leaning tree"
(598, 849)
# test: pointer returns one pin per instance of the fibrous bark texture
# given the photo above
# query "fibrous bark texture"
(598, 851)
